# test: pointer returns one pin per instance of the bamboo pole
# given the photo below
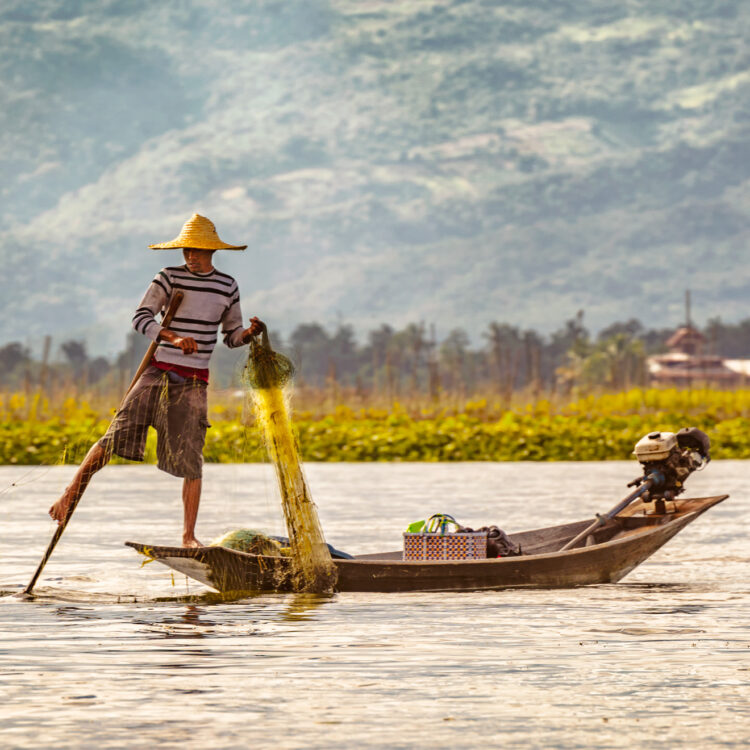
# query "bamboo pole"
(169, 314)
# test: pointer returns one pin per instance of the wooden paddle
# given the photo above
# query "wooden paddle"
(174, 303)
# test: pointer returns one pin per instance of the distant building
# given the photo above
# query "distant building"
(685, 364)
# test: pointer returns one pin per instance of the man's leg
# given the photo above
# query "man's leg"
(126, 436)
(96, 458)
(191, 498)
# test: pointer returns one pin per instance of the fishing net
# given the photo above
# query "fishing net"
(266, 368)
(249, 540)
(266, 374)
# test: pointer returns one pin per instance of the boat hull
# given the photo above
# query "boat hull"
(611, 553)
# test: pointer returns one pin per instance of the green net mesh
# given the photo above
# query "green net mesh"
(267, 372)
(266, 368)
(249, 540)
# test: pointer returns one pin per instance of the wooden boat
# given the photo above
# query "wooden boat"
(605, 556)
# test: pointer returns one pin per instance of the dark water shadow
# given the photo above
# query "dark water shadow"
(645, 631)
(679, 588)
(190, 622)
(682, 609)
(298, 607)
(47, 595)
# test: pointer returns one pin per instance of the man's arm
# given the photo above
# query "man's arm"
(231, 324)
(155, 300)
(186, 343)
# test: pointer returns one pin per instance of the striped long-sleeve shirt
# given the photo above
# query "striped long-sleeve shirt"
(211, 299)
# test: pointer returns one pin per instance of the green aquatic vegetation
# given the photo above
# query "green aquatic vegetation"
(514, 437)
(588, 429)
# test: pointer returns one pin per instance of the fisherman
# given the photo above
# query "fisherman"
(170, 395)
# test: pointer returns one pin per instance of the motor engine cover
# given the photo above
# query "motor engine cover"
(693, 439)
(656, 446)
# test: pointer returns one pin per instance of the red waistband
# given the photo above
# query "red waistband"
(185, 372)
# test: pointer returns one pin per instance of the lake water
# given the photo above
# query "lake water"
(109, 654)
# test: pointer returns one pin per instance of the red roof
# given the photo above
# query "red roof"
(685, 335)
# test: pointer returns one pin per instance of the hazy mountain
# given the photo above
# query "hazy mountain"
(456, 162)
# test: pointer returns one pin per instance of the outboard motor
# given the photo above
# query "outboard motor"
(668, 459)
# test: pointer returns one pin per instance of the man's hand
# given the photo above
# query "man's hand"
(187, 344)
(256, 327)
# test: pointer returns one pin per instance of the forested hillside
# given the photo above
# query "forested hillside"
(444, 161)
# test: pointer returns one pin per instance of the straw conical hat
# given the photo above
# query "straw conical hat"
(200, 233)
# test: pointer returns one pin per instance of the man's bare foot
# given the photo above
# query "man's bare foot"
(60, 508)
(191, 542)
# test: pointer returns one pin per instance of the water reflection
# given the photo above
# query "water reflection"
(192, 616)
(301, 606)
(212, 618)
(76, 613)
(190, 623)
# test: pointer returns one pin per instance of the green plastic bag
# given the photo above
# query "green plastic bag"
(435, 524)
